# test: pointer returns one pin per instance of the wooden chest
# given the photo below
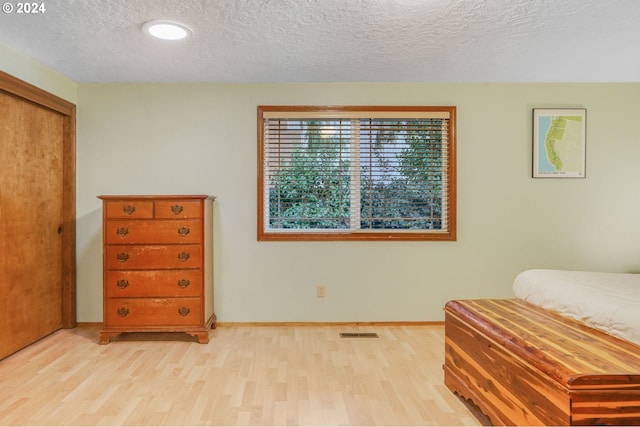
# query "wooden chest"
(523, 365)
(158, 265)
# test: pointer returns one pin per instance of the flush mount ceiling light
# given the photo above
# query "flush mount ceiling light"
(166, 30)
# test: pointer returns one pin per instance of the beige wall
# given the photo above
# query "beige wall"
(138, 139)
(25, 68)
(202, 139)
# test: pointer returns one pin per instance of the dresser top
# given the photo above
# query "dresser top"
(156, 197)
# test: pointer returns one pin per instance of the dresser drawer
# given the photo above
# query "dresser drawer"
(152, 257)
(154, 283)
(178, 209)
(129, 209)
(153, 231)
(153, 311)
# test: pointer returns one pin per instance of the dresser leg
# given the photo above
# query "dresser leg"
(203, 337)
(105, 337)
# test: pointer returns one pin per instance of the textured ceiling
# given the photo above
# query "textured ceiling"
(335, 40)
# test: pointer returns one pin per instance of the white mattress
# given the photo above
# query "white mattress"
(606, 301)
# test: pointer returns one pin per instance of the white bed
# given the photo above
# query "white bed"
(606, 301)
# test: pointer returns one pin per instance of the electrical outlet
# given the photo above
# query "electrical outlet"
(320, 291)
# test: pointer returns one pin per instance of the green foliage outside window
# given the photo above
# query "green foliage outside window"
(401, 177)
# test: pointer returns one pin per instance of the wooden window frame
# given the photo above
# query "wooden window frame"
(317, 112)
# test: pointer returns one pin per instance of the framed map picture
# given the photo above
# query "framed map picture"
(559, 142)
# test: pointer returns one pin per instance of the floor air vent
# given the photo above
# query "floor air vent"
(358, 335)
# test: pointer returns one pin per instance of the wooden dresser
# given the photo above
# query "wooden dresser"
(157, 265)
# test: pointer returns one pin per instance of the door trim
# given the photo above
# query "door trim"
(13, 86)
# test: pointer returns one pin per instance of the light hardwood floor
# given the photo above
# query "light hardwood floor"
(246, 375)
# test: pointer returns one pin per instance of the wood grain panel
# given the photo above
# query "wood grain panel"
(617, 407)
(129, 209)
(31, 222)
(34, 96)
(152, 312)
(173, 209)
(552, 342)
(524, 365)
(153, 231)
(151, 257)
(506, 385)
(158, 283)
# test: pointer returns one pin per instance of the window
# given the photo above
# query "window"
(356, 173)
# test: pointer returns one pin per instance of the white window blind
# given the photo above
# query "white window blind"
(356, 172)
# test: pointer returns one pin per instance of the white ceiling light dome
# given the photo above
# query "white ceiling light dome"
(166, 30)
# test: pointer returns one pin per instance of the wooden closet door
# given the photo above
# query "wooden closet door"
(31, 217)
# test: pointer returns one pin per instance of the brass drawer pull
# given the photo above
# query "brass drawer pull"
(183, 256)
(183, 311)
(176, 209)
(183, 283)
(122, 231)
(123, 283)
(183, 231)
(122, 257)
(128, 209)
(123, 311)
